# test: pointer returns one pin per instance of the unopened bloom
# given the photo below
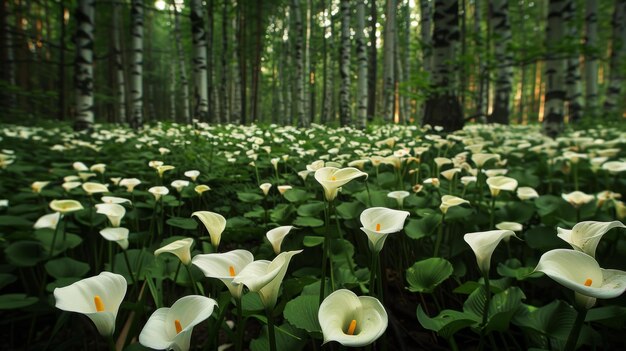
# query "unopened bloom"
(276, 236)
(214, 223)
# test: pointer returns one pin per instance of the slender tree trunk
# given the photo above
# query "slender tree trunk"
(136, 91)
(256, 67)
(555, 70)
(504, 59)
(287, 119)
(279, 54)
(298, 51)
(522, 99)
(426, 45)
(225, 110)
(9, 59)
(481, 102)
(327, 65)
(572, 75)
(344, 65)
(372, 64)
(311, 67)
(182, 67)
(84, 65)
(172, 91)
(211, 61)
(119, 65)
(591, 57)
(61, 82)
(388, 61)
(399, 107)
(236, 72)
(406, 77)
(618, 56)
(201, 99)
(361, 54)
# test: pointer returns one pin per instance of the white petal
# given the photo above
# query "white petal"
(276, 236)
(484, 243)
(214, 223)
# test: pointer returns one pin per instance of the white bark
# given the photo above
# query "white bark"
(572, 75)
(201, 98)
(344, 65)
(119, 65)
(299, 72)
(184, 82)
(9, 67)
(388, 61)
(361, 54)
(225, 110)
(84, 65)
(136, 78)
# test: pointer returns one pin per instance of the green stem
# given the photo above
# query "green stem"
(270, 330)
(575, 171)
(193, 281)
(54, 236)
(572, 339)
(492, 212)
(130, 271)
(373, 274)
(439, 236)
(483, 326)
(325, 258)
(240, 326)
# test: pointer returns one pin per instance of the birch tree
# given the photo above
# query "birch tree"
(119, 65)
(481, 98)
(591, 56)
(504, 59)
(83, 65)
(361, 54)
(236, 73)
(442, 106)
(298, 37)
(224, 105)
(136, 74)
(572, 73)
(344, 65)
(555, 70)
(201, 98)
(388, 61)
(618, 55)
(184, 82)
(372, 64)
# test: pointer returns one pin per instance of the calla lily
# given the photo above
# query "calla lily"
(158, 191)
(114, 213)
(181, 248)
(79, 166)
(265, 277)
(114, 200)
(480, 159)
(379, 222)
(84, 176)
(332, 179)
(399, 196)
(276, 236)
(265, 187)
(282, 189)
(512, 226)
(98, 167)
(578, 198)
(526, 193)
(118, 235)
(483, 244)
(214, 223)
(614, 167)
(442, 161)
(450, 173)
(171, 327)
(94, 188)
(164, 168)
(37, 186)
(98, 298)
(70, 185)
(115, 180)
(352, 320)
(498, 183)
(193, 174)
(432, 181)
(201, 188)
(179, 184)
(50, 220)
(224, 266)
(495, 172)
(580, 272)
(65, 206)
(468, 179)
(155, 164)
(585, 236)
(448, 201)
(129, 183)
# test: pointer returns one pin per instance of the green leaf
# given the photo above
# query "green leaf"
(311, 209)
(426, 275)
(312, 241)
(139, 260)
(6, 279)
(25, 253)
(63, 241)
(308, 222)
(66, 267)
(281, 213)
(287, 338)
(543, 239)
(302, 313)
(183, 223)
(423, 227)
(547, 204)
(297, 195)
(512, 268)
(350, 210)
(15, 221)
(447, 323)
(554, 320)
(15, 301)
(249, 197)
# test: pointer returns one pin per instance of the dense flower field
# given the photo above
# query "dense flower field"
(277, 238)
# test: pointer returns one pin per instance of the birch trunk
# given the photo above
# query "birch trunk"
(298, 51)
(119, 65)
(184, 82)
(211, 61)
(572, 76)
(591, 56)
(555, 71)
(361, 54)
(442, 107)
(504, 60)
(618, 55)
(327, 65)
(344, 65)
(481, 98)
(225, 110)
(84, 65)
(372, 64)
(236, 74)
(136, 78)
(201, 98)
(388, 61)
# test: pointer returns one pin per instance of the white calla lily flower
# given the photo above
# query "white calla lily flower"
(214, 223)
(379, 222)
(158, 191)
(265, 277)
(265, 187)
(399, 196)
(499, 183)
(118, 235)
(65, 206)
(332, 178)
(276, 236)
(171, 327)
(98, 298)
(585, 236)
(526, 193)
(448, 201)
(484, 243)
(50, 220)
(94, 188)
(129, 183)
(224, 266)
(114, 212)
(580, 272)
(193, 174)
(181, 248)
(578, 198)
(179, 184)
(352, 320)
(114, 200)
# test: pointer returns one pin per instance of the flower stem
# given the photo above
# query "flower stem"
(239, 335)
(483, 326)
(193, 281)
(572, 339)
(270, 330)
(54, 236)
(439, 236)
(373, 271)
(492, 212)
(325, 249)
(130, 271)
